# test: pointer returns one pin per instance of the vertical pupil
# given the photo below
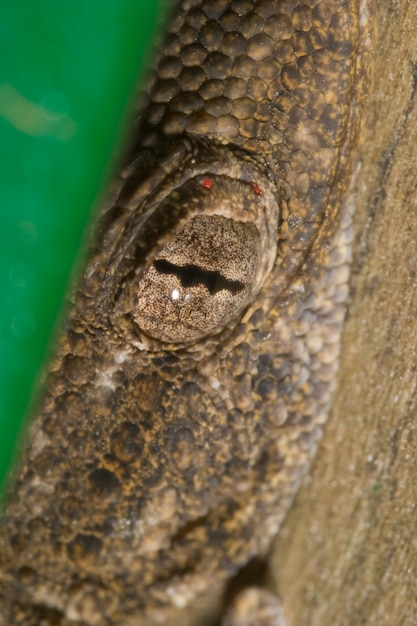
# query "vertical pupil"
(190, 275)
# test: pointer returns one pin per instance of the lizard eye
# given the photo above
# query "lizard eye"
(200, 280)
(210, 260)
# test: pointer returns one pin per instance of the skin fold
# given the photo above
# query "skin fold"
(195, 370)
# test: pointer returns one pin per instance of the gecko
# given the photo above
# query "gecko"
(194, 373)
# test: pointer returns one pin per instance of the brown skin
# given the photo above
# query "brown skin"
(155, 471)
(347, 551)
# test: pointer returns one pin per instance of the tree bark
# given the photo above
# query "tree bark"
(347, 554)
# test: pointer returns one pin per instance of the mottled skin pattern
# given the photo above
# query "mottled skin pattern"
(154, 471)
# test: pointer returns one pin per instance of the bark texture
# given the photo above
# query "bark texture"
(347, 554)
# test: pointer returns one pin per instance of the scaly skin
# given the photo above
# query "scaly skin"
(153, 470)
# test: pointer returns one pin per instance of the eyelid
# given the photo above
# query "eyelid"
(213, 283)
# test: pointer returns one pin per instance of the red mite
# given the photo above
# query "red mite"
(256, 189)
(207, 183)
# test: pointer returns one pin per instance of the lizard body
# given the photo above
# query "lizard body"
(194, 374)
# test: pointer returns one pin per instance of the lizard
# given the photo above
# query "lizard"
(194, 373)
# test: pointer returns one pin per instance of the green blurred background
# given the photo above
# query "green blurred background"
(67, 74)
